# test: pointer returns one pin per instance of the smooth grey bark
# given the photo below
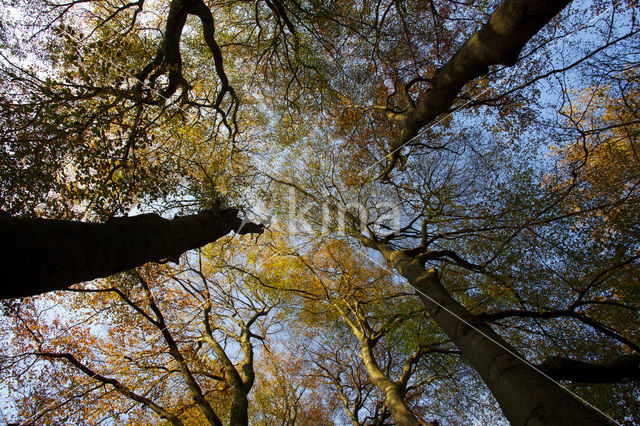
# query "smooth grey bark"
(43, 255)
(526, 396)
(394, 392)
(498, 42)
(239, 413)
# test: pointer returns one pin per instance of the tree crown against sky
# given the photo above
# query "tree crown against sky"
(483, 152)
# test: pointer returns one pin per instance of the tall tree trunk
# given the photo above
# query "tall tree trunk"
(42, 255)
(392, 391)
(498, 42)
(239, 414)
(525, 395)
(239, 379)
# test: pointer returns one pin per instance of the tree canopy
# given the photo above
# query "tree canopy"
(302, 212)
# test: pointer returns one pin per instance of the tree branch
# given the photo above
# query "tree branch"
(42, 255)
(499, 41)
(113, 382)
(625, 367)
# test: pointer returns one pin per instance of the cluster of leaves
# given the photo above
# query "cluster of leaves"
(546, 240)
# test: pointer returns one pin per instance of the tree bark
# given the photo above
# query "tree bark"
(239, 413)
(43, 255)
(241, 379)
(526, 396)
(499, 41)
(192, 384)
(392, 391)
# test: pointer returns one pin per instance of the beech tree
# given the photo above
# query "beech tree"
(342, 296)
(457, 321)
(44, 255)
(285, 394)
(112, 138)
(484, 153)
(198, 367)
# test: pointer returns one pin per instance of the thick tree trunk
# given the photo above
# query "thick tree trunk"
(526, 396)
(42, 255)
(392, 391)
(498, 42)
(239, 414)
